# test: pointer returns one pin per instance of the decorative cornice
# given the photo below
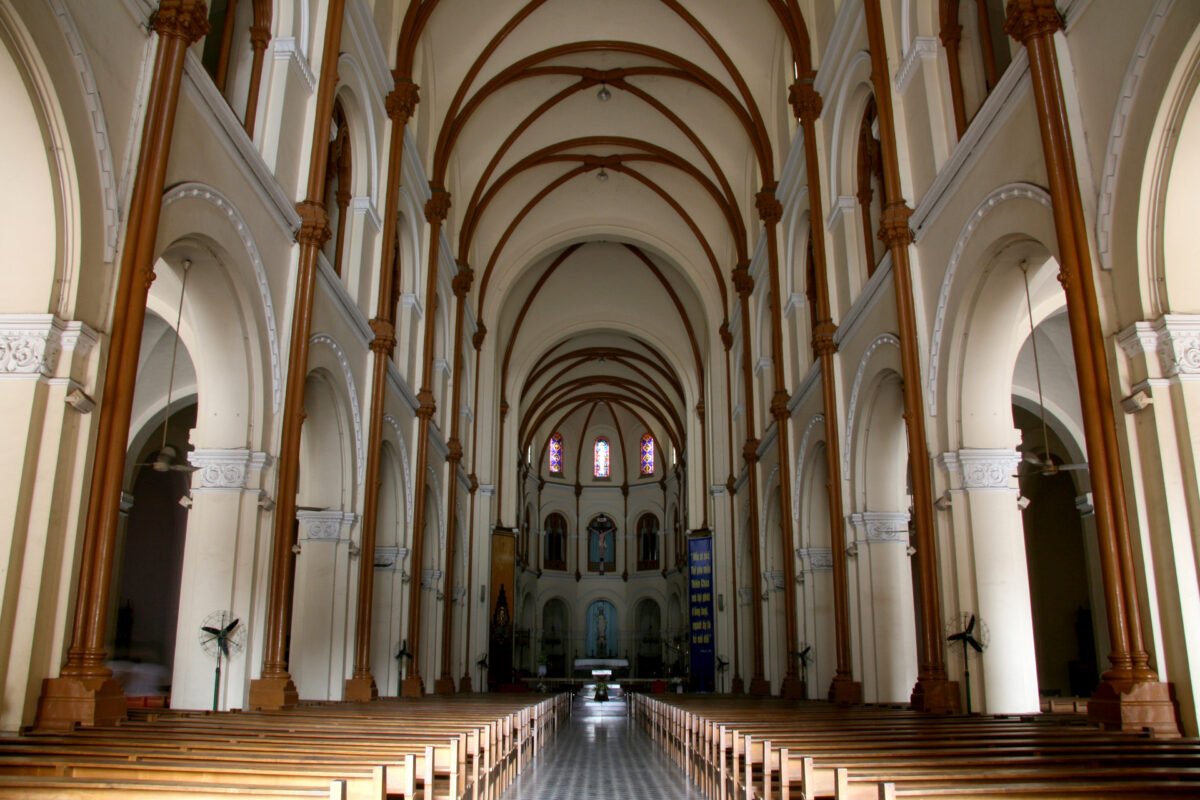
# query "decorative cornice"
(324, 526)
(225, 469)
(1174, 338)
(430, 578)
(820, 559)
(987, 468)
(922, 48)
(365, 207)
(882, 526)
(31, 344)
(286, 48)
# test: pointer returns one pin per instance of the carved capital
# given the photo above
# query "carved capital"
(480, 335)
(455, 451)
(822, 340)
(893, 225)
(951, 35)
(181, 19)
(437, 206)
(987, 468)
(1029, 19)
(463, 280)
(742, 282)
(314, 223)
(770, 210)
(260, 36)
(726, 336)
(402, 100)
(473, 483)
(779, 404)
(426, 405)
(806, 102)
(503, 409)
(385, 335)
(750, 451)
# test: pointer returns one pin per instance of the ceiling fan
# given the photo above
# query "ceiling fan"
(1041, 463)
(167, 457)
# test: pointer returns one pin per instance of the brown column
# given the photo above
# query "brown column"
(462, 285)
(770, 211)
(400, 104)
(464, 683)
(744, 285)
(85, 692)
(1130, 695)
(436, 209)
(274, 688)
(736, 685)
(807, 105)
(933, 692)
(951, 35)
(260, 36)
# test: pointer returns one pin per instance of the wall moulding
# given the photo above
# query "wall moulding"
(31, 345)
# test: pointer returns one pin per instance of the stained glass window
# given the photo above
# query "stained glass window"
(555, 454)
(601, 458)
(647, 455)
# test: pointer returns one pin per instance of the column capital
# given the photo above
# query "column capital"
(181, 19)
(770, 210)
(437, 206)
(402, 100)
(260, 35)
(726, 336)
(987, 468)
(806, 101)
(385, 335)
(314, 223)
(463, 280)
(750, 451)
(426, 405)
(742, 282)
(822, 339)
(479, 335)
(893, 225)
(779, 404)
(950, 34)
(1029, 19)
(454, 450)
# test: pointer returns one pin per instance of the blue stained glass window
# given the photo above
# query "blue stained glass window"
(555, 454)
(647, 448)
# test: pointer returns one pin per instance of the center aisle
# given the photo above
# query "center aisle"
(600, 755)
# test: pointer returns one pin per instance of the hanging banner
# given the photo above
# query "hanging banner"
(701, 617)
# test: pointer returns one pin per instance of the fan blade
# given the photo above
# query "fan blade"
(956, 637)
(223, 643)
(971, 624)
(1072, 466)
(971, 641)
(804, 652)
(183, 468)
(213, 631)
(229, 628)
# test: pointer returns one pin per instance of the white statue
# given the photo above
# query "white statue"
(601, 633)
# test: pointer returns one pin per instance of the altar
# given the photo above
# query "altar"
(610, 664)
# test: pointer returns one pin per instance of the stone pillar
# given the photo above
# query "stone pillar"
(224, 523)
(319, 632)
(1009, 684)
(885, 584)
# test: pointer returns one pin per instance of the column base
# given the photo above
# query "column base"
(792, 688)
(845, 692)
(273, 694)
(443, 686)
(760, 686)
(464, 684)
(67, 702)
(412, 686)
(360, 690)
(937, 696)
(1129, 706)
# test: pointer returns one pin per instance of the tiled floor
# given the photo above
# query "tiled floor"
(601, 755)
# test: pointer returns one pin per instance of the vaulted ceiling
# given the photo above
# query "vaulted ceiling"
(603, 161)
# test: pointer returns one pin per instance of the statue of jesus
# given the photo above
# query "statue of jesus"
(601, 632)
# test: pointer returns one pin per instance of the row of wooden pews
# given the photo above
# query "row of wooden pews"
(467, 746)
(765, 748)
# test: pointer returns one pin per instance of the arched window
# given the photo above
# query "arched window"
(647, 448)
(554, 454)
(337, 185)
(647, 542)
(556, 542)
(600, 458)
(870, 194)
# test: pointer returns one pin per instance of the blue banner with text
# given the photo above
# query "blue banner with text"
(701, 618)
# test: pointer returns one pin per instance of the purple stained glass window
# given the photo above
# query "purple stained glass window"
(601, 458)
(647, 455)
(555, 455)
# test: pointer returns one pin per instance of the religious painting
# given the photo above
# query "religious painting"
(602, 544)
(601, 630)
